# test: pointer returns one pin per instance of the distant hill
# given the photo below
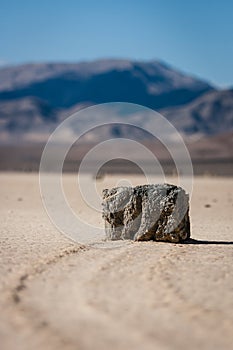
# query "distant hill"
(151, 84)
(210, 114)
(34, 98)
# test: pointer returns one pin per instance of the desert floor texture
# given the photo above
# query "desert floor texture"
(58, 294)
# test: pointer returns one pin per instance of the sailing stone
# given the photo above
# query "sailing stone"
(148, 212)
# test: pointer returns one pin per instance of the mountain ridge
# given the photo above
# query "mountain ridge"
(40, 95)
(88, 79)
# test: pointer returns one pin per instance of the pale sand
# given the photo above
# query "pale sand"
(58, 295)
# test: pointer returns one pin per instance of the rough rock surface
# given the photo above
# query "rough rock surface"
(148, 212)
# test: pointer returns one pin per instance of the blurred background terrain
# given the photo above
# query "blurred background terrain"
(44, 79)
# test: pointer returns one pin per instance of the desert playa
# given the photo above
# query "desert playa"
(58, 294)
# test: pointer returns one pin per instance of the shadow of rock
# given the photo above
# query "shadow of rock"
(197, 241)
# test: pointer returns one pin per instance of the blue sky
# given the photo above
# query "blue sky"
(194, 36)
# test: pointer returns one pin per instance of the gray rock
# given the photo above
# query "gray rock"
(149, 212)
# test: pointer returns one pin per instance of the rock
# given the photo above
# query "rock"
(148, 212)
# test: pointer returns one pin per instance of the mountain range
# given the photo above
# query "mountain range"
(35, 98)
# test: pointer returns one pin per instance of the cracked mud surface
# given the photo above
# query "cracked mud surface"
(56, 294)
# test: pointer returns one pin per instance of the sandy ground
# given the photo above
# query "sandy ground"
(56, 294)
